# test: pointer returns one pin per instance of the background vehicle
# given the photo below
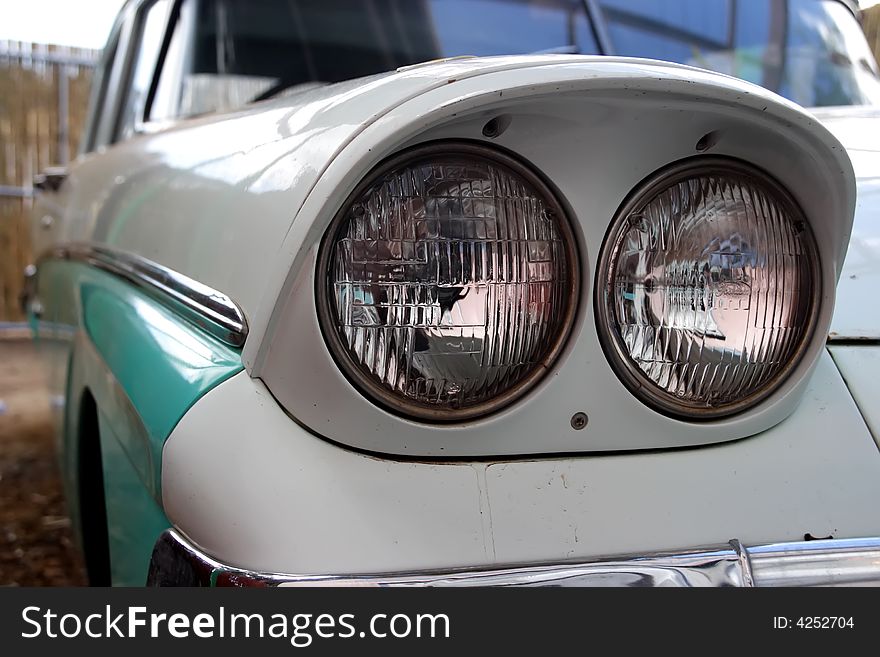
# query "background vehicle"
(220, 349)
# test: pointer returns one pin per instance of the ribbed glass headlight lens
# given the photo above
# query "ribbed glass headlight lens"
(707, 283)
(448, 282)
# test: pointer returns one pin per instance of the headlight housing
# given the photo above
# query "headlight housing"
(448, 281)
(708, 281)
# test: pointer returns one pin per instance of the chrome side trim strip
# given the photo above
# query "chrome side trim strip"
(176, 561)
(745, 563)
(204, 307)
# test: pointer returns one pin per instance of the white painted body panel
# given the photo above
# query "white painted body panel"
(595, 128)
(257, 491)
(240, 202)
(857, 311)
(214, 197)
(860, 365)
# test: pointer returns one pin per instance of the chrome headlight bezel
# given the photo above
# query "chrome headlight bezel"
(639, 384)
(366, 383)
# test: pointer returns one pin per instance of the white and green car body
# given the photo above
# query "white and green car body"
(208, 430)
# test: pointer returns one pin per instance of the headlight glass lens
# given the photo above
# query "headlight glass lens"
(709, 288)
(449, 282)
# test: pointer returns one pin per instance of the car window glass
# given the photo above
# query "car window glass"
(811, 51)
(98, 98)
(229, 51)
(495, 27)
(166, 101)
(152, 23)
(828, 60)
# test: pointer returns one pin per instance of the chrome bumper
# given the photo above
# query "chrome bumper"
(843, 562)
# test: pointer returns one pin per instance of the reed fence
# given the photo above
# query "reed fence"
(43, 98)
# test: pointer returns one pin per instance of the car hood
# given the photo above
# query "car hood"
(857, 313)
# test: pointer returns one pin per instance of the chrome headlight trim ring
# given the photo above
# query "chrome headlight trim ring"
(364, 382)
(611, 340)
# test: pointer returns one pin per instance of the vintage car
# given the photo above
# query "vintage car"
(458, 292)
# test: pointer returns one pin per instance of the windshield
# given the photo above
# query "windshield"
(222, 49)
(223, 53)
(811, 51)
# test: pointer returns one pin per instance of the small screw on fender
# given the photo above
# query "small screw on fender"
(578, 421)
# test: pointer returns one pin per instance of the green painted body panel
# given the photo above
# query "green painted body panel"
(163, 363)
(134, 518)
(145, 367)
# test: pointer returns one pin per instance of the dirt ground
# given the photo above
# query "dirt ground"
(36, 545)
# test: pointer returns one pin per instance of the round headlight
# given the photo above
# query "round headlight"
(447, 281)
(708, 279)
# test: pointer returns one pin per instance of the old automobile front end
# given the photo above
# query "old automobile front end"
(520, 320)
(297, 471)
